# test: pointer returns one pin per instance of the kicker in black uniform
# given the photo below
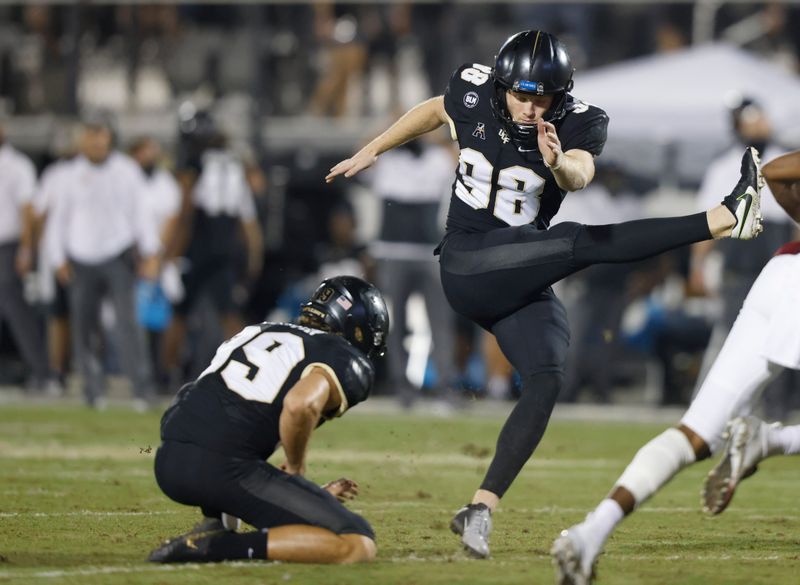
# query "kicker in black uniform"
(272, 384)
(526, 141)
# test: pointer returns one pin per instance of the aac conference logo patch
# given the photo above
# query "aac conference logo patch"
(470, 99)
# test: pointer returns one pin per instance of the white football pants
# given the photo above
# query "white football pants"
(764, 339)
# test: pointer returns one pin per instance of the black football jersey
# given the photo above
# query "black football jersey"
(498, 184)
(234, 407)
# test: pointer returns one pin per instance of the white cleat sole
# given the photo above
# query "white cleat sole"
(567, 562)
(722, 480)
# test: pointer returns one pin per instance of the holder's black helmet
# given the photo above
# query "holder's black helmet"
(352, 308)
(534, 62)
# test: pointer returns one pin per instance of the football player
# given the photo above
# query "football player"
(525, 141)
(764, 339)
(273, 383)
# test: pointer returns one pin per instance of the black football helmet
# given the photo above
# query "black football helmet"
(352, 308)
(535, 62)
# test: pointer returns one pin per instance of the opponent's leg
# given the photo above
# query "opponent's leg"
(783, 440)
(749, 441)
(734, 381)
(657, 462)
(535, 340)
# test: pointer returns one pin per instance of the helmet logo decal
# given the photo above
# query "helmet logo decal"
(344, 303)
(471, 99)
(480, 131)
(313, 311)
(536, 87)
(325, 294)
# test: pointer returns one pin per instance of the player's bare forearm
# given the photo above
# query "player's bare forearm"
(572, 170)
(788, 196)
(295, 429)
(783, 177)
(302, 408)
(422, 118)
(575, 171)
(419, 120)
(785, 168)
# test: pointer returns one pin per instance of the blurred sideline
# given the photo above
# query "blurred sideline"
(631, 412)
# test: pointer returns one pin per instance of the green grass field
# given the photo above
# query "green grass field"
(78, 504)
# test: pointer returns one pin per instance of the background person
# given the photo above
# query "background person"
(103, 233)
(217, 209)
(412, 181)
(17, 253)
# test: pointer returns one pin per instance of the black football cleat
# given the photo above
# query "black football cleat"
(744, 201)
(191, 547)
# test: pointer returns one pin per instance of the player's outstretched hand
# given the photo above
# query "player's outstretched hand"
(549, 144)
(342, 489)
(361, 160)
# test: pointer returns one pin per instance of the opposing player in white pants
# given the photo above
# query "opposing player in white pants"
(764, 339)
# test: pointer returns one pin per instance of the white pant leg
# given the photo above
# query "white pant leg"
(782, 345)
(742, 368)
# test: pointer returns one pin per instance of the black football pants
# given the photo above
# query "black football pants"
(250, 489)
(501, 280)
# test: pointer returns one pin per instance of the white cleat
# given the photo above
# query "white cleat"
(473, 523)
(745, 199)
(746, 446)
(569, 562)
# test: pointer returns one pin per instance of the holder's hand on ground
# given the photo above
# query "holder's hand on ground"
(361, 160)
(549, 144)
(342, 489)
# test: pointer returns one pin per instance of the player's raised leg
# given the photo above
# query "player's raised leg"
(511, 265)
(738, 216)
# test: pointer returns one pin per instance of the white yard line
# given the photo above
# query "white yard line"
(99, 513)
(760, 514)
(318, 455)
(134, 569)
(127, 569)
